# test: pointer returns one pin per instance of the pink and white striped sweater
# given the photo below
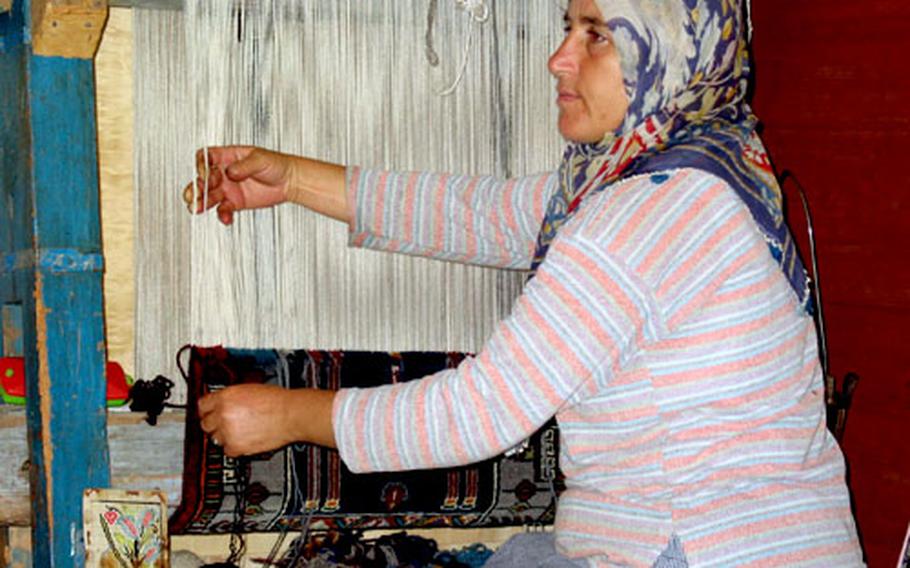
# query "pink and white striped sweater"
(661, 334)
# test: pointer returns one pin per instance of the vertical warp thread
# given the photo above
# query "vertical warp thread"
(345, 81)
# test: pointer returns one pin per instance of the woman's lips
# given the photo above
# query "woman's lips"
(565, 97)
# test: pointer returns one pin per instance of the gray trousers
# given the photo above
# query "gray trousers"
(528, 550)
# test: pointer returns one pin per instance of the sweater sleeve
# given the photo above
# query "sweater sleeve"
(631, 262)
(476, 220)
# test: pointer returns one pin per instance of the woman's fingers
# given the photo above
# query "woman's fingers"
(210, 419)
(194, 199)
(234, 178)
(188, 196)
(206, 405)
(204, 198)
(220, 156)
(209, 423)
(202, 161)
(202, 202)
(226, 212)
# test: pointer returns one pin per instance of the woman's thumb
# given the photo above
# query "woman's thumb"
(256, 162)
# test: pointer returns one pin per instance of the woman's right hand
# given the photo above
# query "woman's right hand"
(239, 177)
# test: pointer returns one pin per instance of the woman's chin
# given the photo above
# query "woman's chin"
(578, 130)
(580, 137)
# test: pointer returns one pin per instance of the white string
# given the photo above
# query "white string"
(479, 13)
(345, 81)
(479, 10)
(461, 68)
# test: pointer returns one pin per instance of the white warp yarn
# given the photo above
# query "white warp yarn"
(346, 81)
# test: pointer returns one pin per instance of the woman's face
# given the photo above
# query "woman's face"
(591, 98)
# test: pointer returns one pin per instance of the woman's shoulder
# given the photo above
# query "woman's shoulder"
(681, 179)
(650, 204)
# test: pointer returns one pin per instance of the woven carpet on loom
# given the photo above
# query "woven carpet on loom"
(277, 491)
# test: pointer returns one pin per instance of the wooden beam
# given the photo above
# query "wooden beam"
(66, 391)
(67, 28)
(52, 266)
(143, 457)
(5, 5)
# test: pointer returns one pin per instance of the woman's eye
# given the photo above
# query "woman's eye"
(597, 37)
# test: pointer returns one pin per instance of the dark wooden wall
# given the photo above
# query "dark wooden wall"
(833, 92)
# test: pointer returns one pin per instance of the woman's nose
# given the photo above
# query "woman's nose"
(563, 59)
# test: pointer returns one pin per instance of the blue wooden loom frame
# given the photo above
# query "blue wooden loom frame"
(51, 262)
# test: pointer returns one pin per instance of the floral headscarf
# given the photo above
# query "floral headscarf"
(685, 66)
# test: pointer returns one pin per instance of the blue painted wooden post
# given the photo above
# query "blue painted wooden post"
(52, 266)
(12, 330)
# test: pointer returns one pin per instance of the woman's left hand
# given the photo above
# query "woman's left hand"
(254, 418)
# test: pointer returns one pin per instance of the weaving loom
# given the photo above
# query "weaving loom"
(349, 82)
(440, 85)
(306, 484)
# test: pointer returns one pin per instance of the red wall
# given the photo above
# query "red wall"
(833, 92)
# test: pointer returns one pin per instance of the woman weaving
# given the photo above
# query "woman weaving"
(665, 326)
